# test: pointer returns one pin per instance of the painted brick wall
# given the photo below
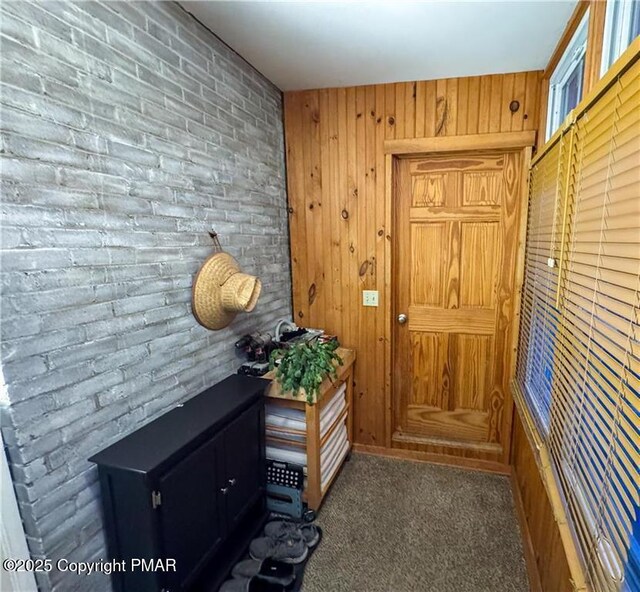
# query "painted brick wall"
(128, 131)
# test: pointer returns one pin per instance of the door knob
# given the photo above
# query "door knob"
(402, 318)
(232, 482)
(224, 490)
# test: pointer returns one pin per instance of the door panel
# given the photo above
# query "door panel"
(482, 188)
(432, 190)
(478, 264)
(459, 424)
(473, 369)
(431, 380)
(454, 259)
(191, 511)
(245, 470)
(428, 286)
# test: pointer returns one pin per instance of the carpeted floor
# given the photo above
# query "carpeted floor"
(401, 526)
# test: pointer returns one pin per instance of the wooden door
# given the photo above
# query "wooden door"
(456, 227)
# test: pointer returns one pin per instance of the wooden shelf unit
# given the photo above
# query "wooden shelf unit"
(312, 440)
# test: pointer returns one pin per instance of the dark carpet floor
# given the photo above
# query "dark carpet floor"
(401, 526)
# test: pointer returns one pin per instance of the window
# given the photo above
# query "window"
(540, 314)
(578, 370)
(565, 84)
(621, 27)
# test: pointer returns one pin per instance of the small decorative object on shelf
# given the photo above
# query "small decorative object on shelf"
(302, 367)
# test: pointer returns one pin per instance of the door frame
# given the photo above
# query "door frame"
(394, 149)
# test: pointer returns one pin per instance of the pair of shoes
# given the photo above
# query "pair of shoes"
(270, 570)
(285, 541)
(254, 575)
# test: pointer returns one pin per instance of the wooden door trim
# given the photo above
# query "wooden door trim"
(441, 144)
(389, 191)
(395, 149)
(517, 286)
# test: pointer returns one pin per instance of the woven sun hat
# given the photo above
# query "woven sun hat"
(221, 291)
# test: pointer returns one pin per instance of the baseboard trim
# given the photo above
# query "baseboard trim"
(473, 464)
(535, 583)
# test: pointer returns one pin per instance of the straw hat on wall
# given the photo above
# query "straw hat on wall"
(221, 291)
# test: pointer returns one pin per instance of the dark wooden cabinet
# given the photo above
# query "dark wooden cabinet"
(188, 486)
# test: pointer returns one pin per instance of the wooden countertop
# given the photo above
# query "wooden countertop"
(275, 389)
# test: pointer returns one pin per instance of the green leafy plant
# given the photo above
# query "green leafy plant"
(305, 366)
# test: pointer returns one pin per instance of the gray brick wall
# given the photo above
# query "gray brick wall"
(128, 132)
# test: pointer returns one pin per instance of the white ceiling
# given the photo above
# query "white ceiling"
(318, 44)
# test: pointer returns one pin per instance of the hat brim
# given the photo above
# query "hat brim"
(207, 294)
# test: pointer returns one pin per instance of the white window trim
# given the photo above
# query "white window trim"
(571, 57)
(617, 27)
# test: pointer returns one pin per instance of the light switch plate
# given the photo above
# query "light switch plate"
(369, 297)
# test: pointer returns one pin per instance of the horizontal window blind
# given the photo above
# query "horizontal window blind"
(579, 355)
(547, 191)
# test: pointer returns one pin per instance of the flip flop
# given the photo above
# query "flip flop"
(268, 569)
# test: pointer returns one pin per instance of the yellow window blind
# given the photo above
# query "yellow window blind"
(547, 192)
(579, 353)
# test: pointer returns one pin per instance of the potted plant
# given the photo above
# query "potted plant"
(301, 368)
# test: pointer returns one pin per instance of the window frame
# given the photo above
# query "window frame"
(573, 56)
(617, 31)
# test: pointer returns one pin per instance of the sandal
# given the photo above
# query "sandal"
(268, 569)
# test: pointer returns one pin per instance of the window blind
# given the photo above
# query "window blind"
(579, 355)
(547, 191)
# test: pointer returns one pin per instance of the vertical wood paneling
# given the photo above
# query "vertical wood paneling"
(421, 108)
(484, 109)
(463, 106)
(430, 106)
(546, 557)
(338, 218)
(473, 101)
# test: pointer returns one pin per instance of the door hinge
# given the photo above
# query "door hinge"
(156, 499)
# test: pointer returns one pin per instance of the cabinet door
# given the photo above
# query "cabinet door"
(244, 458)
(191, 512)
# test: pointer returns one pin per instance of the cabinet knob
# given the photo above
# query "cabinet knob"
(232, 482)
(224, 490)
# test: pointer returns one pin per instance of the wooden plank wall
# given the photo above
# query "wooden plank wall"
(336, 183)
(546, 558)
